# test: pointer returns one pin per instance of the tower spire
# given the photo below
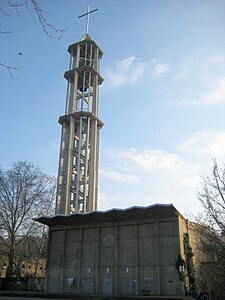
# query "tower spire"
(87, 14)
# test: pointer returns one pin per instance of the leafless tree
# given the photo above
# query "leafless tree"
(211, 230)
(10, 7)
(25, 193)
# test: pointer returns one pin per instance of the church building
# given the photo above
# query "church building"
(117, 252)
(131, 251)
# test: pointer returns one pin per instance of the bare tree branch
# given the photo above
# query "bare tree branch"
(3, 12)
(6, 32)
(16, 5)
(10, 69)
(49, 29)
(46, 26)
(44, 23)
(210, 231)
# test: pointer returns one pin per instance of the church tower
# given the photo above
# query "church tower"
(77, 187)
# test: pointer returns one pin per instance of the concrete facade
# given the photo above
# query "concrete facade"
(117, 252)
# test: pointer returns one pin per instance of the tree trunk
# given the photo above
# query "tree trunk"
(11, 255)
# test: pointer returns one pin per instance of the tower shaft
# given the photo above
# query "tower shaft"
(77, 188)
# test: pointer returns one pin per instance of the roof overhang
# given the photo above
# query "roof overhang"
(112, 215)
(70, 74)
(78, 114)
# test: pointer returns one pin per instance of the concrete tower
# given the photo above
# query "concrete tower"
(77, 188)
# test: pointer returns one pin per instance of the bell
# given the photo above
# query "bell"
(80, 88)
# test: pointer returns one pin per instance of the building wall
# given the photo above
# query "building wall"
(26, 267)
(182, 231)
(125, 258)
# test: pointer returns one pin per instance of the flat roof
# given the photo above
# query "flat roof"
(112, 215)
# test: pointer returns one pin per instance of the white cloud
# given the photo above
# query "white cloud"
(198, 70)
(156, 176)
(205, 143)
(160, 70)
(130, 70)
(118, 176)
(136, 163)
(159, 161)
(214, 95)
(127, 71)
(105, 201)
(198, 81)
(135, 176)
(219, 58)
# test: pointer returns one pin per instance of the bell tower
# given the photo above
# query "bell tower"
(77, 187)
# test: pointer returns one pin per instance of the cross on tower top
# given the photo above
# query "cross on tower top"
(89, 11)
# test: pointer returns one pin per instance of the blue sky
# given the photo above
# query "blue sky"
(162, 100)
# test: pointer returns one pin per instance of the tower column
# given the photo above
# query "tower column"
(61, 177)
(69, 164)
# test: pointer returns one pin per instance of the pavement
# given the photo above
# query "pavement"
(18, 295)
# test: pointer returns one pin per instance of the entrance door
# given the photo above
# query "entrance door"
(89, 285)
(170, 281)
(108, 285)
(127, 286)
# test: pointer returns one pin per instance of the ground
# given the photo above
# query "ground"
(6, 295)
